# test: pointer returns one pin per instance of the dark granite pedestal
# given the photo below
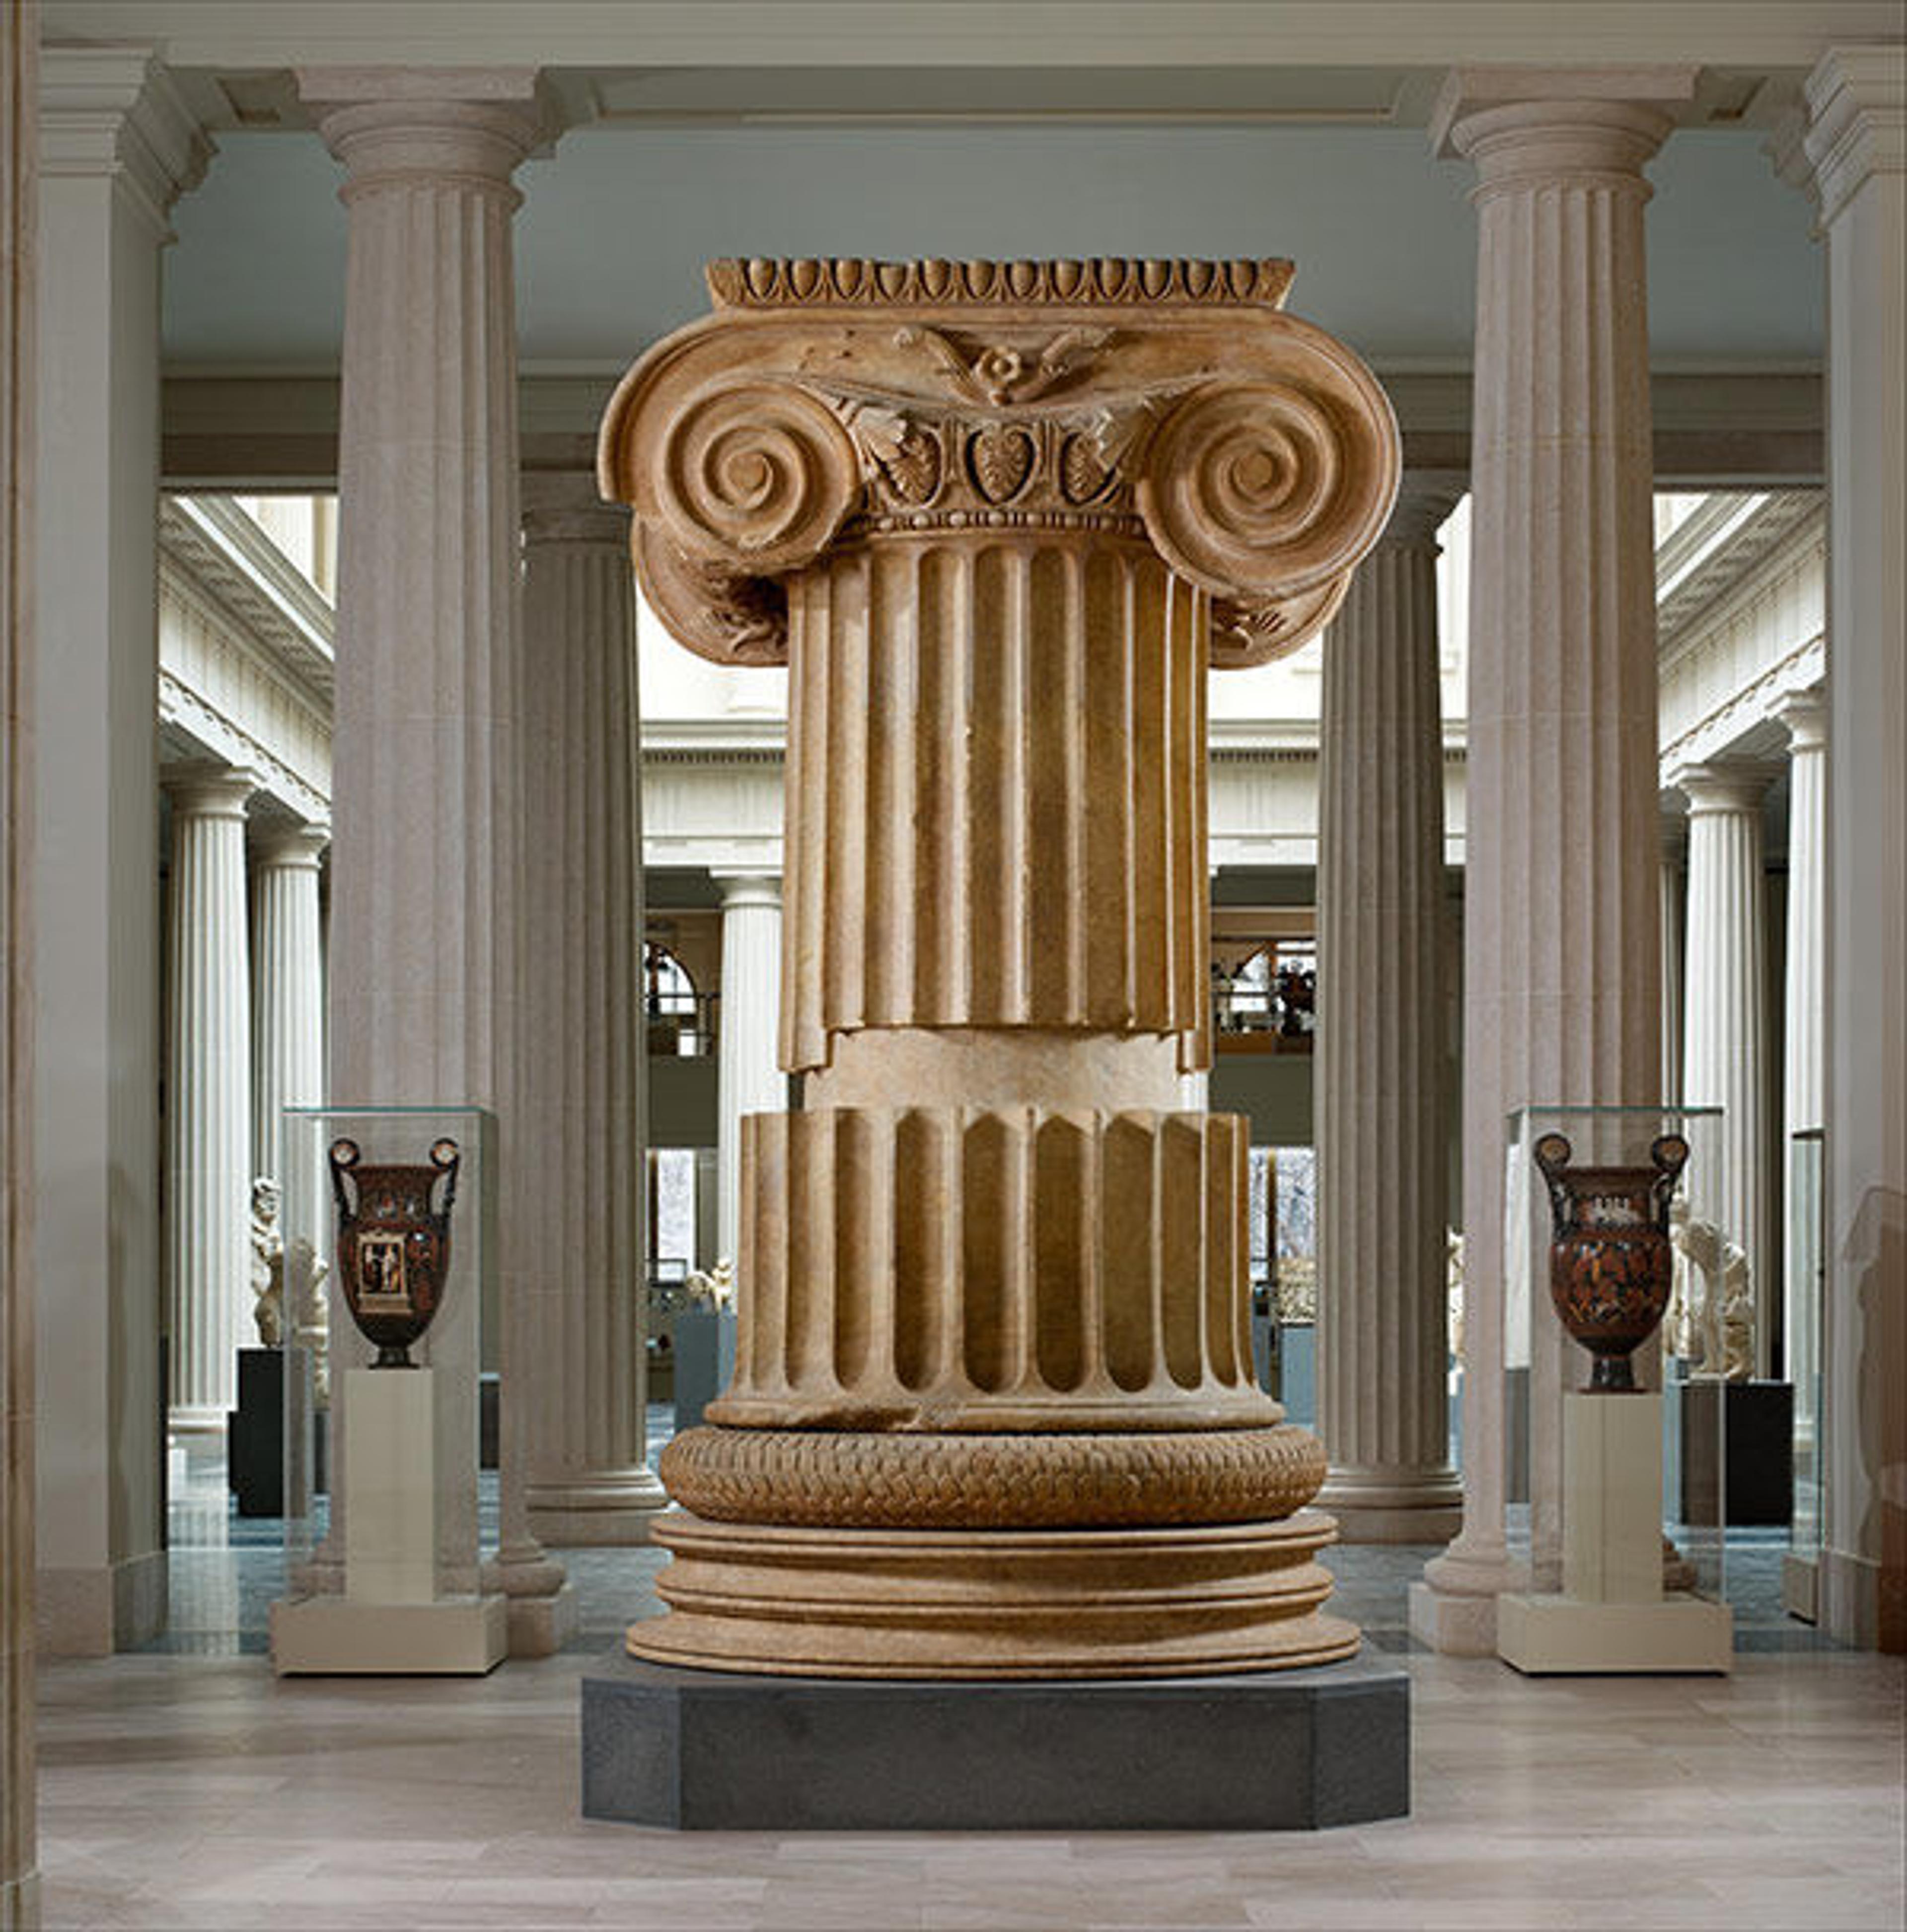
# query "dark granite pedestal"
(1272, 1750)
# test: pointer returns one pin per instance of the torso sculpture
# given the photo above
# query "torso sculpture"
(993, 1412)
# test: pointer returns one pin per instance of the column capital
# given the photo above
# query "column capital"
(1077, 401)
(208, 789)
(115, 111)
(1424, 499)
(395, 127)
(1718, 787)
(298, 847)
(1524, 127)
(562, 506)
(742, 889)
(1804, 714)
(1674, 825)
(1857, 100)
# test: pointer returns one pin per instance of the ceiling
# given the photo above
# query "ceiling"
(617, 220)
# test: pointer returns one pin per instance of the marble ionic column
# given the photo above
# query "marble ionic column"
(1383, 1166)
(426, 937)
(1562, 960)
(1804, 713)
(998, 519)
(287, 987)
(209, 1125)
(585, 1091)
(1725, 1020)
(19, 132)
(1856, 144)
(749, 1076)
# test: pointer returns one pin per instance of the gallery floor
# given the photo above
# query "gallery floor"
(186, 1787)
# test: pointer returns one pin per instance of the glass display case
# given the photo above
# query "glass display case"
(1803, 1310)
(1616, 1265)
(390, 1257)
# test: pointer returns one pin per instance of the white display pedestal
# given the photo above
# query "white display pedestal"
(390, 1618)
(1613, 1615)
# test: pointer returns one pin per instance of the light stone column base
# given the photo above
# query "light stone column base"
(993, 1604)
(543, 1612)
(1389, 1506)
(19, 1903)
(1562, 1635)
(1453, 1624)
(454, 1636)
(595, 1515)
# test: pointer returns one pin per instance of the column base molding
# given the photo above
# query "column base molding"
(197, 1423)
(980, 1604)
(95, 1612)
(543, 1612)
(20, 1903)
(1848, 1598)
(1394, 1505)
(1453, 1625)
(612, 1508)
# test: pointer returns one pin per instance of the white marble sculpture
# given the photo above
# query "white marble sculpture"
(714, 1288)
(1711, 1307)
(268, 1263)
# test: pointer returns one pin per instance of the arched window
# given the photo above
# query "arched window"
(668, 988)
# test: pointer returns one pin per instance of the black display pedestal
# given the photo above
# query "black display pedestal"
(1265, 1751)
(255, 1435)
(1758, 1441)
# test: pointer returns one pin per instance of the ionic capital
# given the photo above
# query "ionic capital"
(1169, 403)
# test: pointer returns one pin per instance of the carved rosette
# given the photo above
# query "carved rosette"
(998, 519)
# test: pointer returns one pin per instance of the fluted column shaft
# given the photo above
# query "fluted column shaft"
(426, 922)
(584, 1070)
(1562, 961)
(1382, 1148)
(1857, 144)
(287, 988)
(747, 1076)
(1725, 1020)
(1804, 1028)
(1675, 906)
(209, 1095)
(19, 132)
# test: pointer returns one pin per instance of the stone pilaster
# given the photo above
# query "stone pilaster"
(749, 1078)
(426, 939)
(208, 1124)
(1725, 1050)
(1803, 1086)
(287, 987)
(998, 519)
(19, 132)
(1383, 1164)
(1857, 144)
(1561, 936)
(584, 1098)
(116, 146)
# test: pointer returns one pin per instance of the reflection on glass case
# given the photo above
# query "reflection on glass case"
(1611, 1214)
(389, 1225)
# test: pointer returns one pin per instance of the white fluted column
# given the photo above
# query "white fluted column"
(1857, 144)
(116, 145)
(1725, 1051)
(1804, 1017)
(1562, 959)
(208, 1093)
(19, 132)
(749, 1074)
(1382, 1157)
(425, 861)
(1675, 901)
(287, 987)
(584, 1062)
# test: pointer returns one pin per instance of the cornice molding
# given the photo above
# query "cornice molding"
(1858, 121)
(115, 112)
